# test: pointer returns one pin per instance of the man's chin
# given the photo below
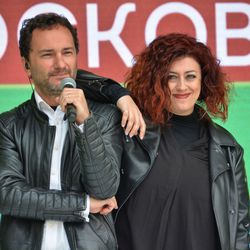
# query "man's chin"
(54, 89)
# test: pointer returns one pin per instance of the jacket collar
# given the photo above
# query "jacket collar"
(221, 136)
(217, 134)
(41, 116)
(219, 139)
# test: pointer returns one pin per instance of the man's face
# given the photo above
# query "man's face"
(52, 57)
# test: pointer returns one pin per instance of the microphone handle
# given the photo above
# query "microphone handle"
(71, 113)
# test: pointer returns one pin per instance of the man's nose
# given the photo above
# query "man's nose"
(59, 61)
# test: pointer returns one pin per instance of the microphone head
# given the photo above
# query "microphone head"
(68, 83)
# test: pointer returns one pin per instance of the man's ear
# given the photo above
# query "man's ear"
(26, 67)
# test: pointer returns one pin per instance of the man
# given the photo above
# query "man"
(57, 178)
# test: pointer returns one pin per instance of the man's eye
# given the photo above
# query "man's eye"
(68, 53)
(46, 55)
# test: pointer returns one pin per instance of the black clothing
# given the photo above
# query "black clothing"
(90, 164)
(187, 129)
(172, 207)
(228, 183)
(227, 176)
(98, 88)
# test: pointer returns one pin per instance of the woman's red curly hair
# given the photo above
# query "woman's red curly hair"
(148, 78)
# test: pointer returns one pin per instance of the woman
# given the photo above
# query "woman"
(183, 187)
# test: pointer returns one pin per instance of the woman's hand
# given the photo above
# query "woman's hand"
(132, 120)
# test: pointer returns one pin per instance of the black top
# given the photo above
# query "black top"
(172, 208)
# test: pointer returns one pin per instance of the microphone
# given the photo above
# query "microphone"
(71, 110)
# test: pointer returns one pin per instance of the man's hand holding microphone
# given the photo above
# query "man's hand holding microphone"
(73, 102)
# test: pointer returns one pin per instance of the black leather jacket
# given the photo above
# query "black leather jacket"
(90, 164)
(229, 185)
(228, 178)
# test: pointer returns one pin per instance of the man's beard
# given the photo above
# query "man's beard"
(49, 89)
(53, 90)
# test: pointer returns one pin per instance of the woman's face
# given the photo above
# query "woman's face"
(184, 82)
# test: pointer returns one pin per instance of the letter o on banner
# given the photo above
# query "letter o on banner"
(171, 8)
(4, 37)
(44, 8)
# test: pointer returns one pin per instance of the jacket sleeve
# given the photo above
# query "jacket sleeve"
(98, 88)
(18, 198)
(100, 150)
(242, 234)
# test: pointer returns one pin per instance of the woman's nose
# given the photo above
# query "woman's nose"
(181, 84)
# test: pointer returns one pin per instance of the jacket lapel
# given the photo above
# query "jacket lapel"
(219, 141)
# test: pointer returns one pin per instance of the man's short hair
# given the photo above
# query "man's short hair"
(44, 22)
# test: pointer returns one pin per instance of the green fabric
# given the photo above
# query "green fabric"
(237, 123)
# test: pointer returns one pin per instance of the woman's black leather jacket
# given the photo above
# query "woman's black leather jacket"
(229, 184)
(90, 164)
(229, 190)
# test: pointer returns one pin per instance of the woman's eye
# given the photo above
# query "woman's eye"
(190, 77)
(172, 77)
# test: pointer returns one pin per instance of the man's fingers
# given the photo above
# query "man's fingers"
(106, 211)
(110, 204)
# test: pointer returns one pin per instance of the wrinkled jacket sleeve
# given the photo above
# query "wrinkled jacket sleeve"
(242, 234)
(98, 88)
(18, 198)
(100, 149)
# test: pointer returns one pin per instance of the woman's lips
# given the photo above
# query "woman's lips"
(181, 96)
